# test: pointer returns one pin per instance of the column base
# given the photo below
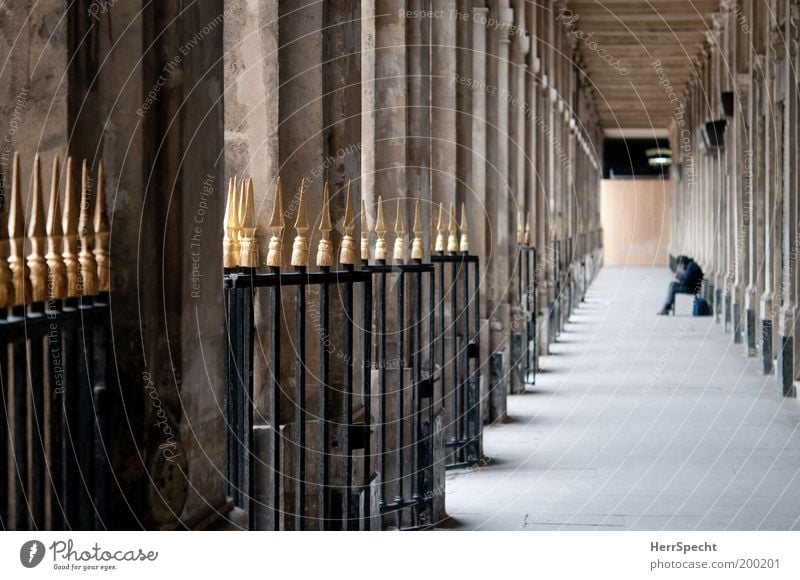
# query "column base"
(786, 366)
(552, 320)
(726, 305)
(750, 332)
(517, 379)
(737, 323)
(570, 301)
(717, 303)
(584, 279)
(543, 333)
(497, 388)
(766, 348)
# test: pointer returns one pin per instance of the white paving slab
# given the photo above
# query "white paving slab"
(638, 422)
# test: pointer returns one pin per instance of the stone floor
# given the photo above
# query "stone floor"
(638, 422)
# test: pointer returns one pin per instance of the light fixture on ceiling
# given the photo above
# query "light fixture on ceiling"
(659, 157)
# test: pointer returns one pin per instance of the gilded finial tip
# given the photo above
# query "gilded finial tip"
(464, 243)
(347, 251)
(300, 245)
(381, 252)
(399, 254)
(441, 231)
(417, 244)
(325, 247)
(452, 240)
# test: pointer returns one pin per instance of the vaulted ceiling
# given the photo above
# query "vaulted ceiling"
(634, 34)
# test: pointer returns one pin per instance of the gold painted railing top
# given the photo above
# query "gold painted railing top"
(69, 246)
(240, 240)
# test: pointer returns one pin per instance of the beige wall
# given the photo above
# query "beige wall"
(635, 218)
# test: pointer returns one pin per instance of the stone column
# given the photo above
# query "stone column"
(715, 182)
(464, 31)
(535, 150)
(771, 200)
(251, 101)
(754, 173)
(787, 359)
(33, 104)
(549, 110)
(368, 175)
(418, 111)
(170, 140)
(502, 19)
(742, 212)
(121, 87)
(391, 100)
(444, 108)
(476, 203)
(517, 205)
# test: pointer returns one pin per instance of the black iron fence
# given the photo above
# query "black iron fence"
(458, 318)
(406, 425)
(312, 433)
(54, 366)
(304, 451)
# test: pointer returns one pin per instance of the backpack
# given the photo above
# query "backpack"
(700, 307)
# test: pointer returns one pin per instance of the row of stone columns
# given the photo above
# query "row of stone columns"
(534, 161)
(468, 102)
(735, 208)
(479, 103)
(443, 101)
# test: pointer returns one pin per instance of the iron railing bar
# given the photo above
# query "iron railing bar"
(300, 402)
(324, 336)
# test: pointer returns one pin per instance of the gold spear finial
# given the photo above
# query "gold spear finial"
(464, 245)
(6, 278)
(452, 240)
(86, 234)
(381, 252)
(248, 244)
(16, 223)
(519, 228)
(238, 208)
(399, 232)
(347, 251)
(57, 272)
(240, 203)
(300, 245)
(36, 263)
(16, 234)
(101, 234)
(325, 247)
(364, 232)
(69, 226)
(276, 226)
(441, 239)
(417, 245)
(230, 241)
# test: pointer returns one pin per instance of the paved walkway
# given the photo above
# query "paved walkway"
(638, 422)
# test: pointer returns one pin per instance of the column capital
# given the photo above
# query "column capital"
(502, 22)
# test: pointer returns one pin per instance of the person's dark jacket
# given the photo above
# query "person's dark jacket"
(691, 276)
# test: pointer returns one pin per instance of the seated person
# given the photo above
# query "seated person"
(688, 280)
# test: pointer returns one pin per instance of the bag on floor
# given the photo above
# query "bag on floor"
(700, 307)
